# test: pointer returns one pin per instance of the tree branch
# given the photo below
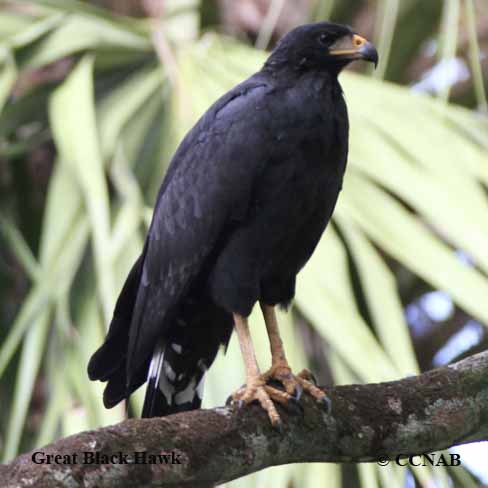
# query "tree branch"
(421, 414)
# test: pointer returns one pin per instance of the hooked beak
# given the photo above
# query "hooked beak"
(354, 47)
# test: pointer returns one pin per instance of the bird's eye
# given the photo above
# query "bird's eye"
(325, 39)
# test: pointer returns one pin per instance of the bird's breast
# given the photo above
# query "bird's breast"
(301, 181)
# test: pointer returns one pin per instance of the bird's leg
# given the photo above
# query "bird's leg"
(255, 388)
(280, 369)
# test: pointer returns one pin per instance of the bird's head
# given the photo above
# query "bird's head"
(323, 46)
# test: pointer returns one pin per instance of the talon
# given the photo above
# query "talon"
(256, 390)
(278, 384)
(234, 401)
(327, 402)
(295, 385)
(278, 426)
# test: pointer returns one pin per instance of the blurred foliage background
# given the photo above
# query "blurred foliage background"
(94, 98)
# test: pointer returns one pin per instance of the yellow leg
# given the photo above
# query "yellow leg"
(255, 388)
(247, 349)
(280, 369)
(275, 342)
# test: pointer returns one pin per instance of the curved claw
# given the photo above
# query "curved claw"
(231, 402)
(278, 426)
(298, 392)
(327, 404)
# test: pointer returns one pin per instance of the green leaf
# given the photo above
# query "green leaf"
(116, 110)
(475, 56)
(35, 30)
(54, 277)
(79, 33)
(12, 23)
(335, 321)
(32, 306)
(30, 360)
(321, 474)
(55, 406)
(463, 225)
(63, 207)
(129, 216)
(8, 75)
(72, 115)
(137, 26)
(368, 475)
(380, 289)
(407, 240)
(19, 247)
(449, 37)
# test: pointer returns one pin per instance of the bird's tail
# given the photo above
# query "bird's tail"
(173, 384)
(175, 375)
(180, 360)
(109, 362)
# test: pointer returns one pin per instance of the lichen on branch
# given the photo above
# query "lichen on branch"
(203, 448)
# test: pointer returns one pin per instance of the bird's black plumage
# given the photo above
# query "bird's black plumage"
(245, 200)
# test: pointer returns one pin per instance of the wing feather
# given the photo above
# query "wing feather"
(208, 185)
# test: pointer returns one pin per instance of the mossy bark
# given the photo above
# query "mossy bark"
(420, 414)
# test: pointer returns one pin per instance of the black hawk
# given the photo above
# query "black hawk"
(244, 203)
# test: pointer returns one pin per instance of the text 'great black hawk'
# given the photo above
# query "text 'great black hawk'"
(243, 205)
